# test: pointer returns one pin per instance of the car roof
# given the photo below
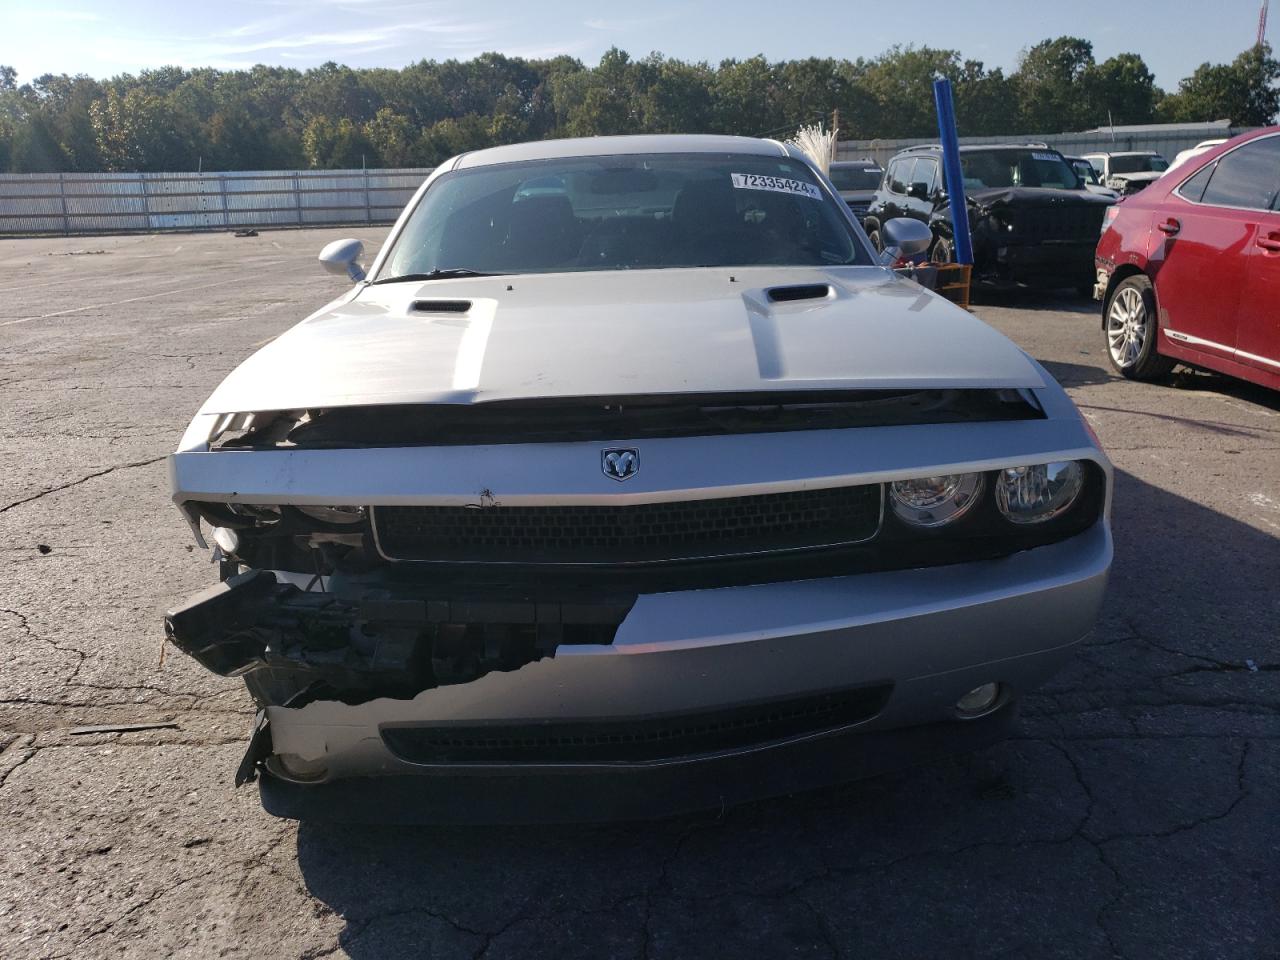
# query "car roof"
(1123, 153)
(971, 147)
(620, 146)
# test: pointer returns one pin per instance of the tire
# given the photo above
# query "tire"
(1131, 331)
(944, 251)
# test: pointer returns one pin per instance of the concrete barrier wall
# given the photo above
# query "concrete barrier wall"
(75, 203)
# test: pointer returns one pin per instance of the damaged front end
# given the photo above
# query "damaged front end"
(1036, 235)
(354, 641)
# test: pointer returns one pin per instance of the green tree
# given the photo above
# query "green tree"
(140, 130)
(1122, 89)
(986, 100)
(335, 145)
(390, 135)
(451, 137)
(900, 85)
(1050, 80)
(1243, 91)
(745, 99)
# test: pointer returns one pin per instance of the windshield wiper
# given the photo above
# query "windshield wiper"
(445, 273)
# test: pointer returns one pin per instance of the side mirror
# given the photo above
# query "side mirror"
(340, 257)
(904, 238)
(919, 190)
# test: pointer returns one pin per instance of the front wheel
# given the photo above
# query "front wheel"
(1132, 331)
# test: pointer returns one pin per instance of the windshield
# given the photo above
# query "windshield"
(856, 178)
(624, 212)
(1140, 164)
(1085, 171)
(1017, 168)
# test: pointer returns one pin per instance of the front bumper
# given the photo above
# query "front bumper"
(1064, 263)
(925, 637)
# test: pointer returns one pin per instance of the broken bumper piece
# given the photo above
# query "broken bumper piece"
(691, 699)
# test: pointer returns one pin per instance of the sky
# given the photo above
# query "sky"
(104, 39)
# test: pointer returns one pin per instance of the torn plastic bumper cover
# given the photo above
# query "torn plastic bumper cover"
(373, 643)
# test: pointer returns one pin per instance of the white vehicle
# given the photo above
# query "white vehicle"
(1128, 172)
(629, 480)
(1204, 146)
(1089, 177)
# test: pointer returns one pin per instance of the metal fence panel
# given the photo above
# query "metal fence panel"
(1168, 141)
(129, 202)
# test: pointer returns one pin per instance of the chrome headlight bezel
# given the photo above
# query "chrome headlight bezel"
(954, 497)
(1038, 493)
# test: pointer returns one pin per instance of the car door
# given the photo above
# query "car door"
(1203, 236)
(895, 189)
(1258, 330)
(919, 203)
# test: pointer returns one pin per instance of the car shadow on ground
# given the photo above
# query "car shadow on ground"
(1188, 379)
(956, 852)
(1078, 374)
(1033, 298)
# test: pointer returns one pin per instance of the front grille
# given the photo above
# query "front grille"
(643, 740)
(1058, 222)
(639, 533)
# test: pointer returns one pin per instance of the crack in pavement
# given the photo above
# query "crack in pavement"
(75, 483)
(24, 747)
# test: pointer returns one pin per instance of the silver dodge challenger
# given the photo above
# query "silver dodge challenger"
(629, 479)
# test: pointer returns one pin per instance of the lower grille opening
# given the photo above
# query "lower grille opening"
(630, 740)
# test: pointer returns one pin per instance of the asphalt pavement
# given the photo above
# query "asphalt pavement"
(1134, 813)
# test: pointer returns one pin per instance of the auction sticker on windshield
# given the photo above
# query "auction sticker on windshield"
(754, 181)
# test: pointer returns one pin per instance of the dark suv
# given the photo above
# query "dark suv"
(1031, 219)
(857, 181)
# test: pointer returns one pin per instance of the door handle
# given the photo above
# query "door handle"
(1170, 226)
(1270, 243)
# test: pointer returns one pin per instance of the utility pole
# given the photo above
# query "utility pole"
(1262, 24)
(835, 133)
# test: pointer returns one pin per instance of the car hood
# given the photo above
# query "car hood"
(624, 333)
(858, 196)
(1139, 176)
(1034, 197)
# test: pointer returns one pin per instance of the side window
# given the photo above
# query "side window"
(926, 171)
(1246, 177)
(1193, 189)
(894, 176)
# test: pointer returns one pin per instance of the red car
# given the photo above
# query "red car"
(1189, 269)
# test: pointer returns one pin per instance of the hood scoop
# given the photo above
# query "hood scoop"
(441, 306)
(803, 291)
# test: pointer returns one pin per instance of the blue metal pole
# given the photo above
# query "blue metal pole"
(951, 166)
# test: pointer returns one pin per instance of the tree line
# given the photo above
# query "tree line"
(333, 116)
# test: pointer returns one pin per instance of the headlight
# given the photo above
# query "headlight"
(935, 501)
(333, 514)
(1038, 493)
